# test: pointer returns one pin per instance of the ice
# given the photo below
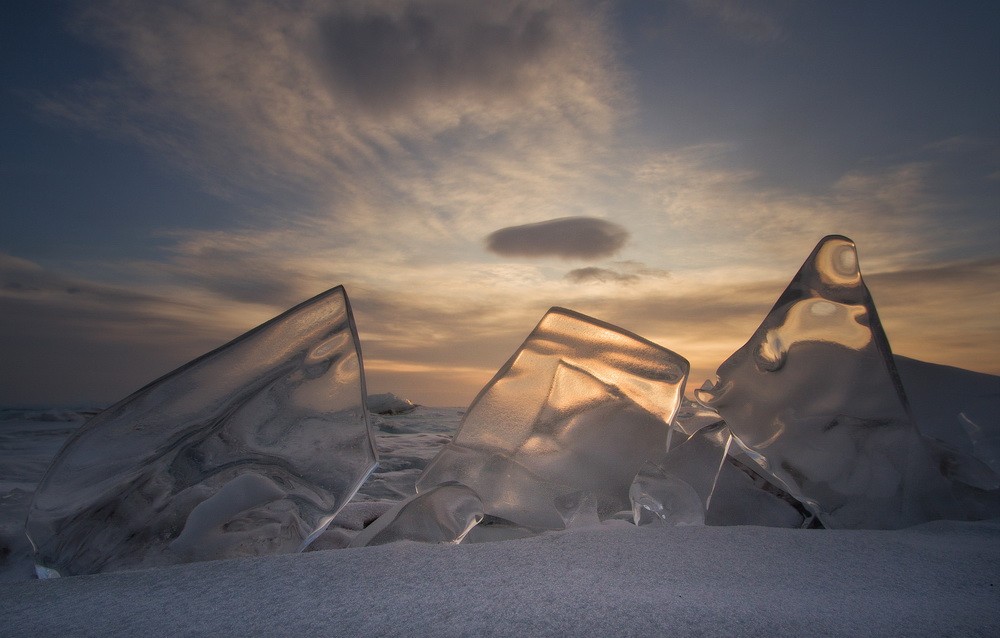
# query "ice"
(814, 397)
(565, 425)
(250, 449)
(692, 417)
(389, 403)
(443, 514)
(743, 497)
(677, 488)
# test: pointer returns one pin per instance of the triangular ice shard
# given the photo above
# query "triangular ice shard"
(565, 424)
(249, 449)
(816, 397)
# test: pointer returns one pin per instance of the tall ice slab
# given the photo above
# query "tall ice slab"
(250, 449)
(815, 398)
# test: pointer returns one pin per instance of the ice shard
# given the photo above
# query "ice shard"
(743, 497)
(814, 397)
(565, 425)
(250, 449)
(677, 488)
(443, 514)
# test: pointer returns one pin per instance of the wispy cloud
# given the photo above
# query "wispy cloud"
(591, 274)
(387, 60)
(376, 145)
(618, 272)
(355, 100)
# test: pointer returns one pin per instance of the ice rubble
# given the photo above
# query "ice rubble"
(809, 424)
(255, 447)
(250, 449)
(677, 488)
(389, 403)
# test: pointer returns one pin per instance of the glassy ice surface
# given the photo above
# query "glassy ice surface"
(565, 425)
(692, 417)
(743, 497)
(677, 488)
(250, 449)
(815, 395)
(443, 514)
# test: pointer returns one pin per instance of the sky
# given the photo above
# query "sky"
(173, 174)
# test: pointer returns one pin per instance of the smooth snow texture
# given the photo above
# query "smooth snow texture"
(941, 578)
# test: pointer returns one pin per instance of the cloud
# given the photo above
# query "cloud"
(69, 339)
(600, 275)
(383, 171)
(26, 280)
(942, 312)
(387, 59)
(248, 267)
(566, 237)
(355, 103)
(624, 272)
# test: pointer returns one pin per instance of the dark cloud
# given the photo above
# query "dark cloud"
(240, 268)
(981, 272)
(384, 59)
(66, 340)
(20, 278)
(246, 281)
(600, 275)
(566, 237)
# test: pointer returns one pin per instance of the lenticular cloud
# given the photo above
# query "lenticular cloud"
(566, 237)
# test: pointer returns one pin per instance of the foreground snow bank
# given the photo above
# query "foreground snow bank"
(614, 579)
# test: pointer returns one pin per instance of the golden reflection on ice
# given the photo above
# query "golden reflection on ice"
(572, 415)
(815, 320)
(837, 262)
(816, 394)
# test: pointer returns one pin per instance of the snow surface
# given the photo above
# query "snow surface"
(941, 578)
(936, 579)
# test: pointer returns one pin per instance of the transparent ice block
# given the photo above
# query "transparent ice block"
(814, 397)
(565, 424)
(443, 514)
(677, 488)
(250, 449)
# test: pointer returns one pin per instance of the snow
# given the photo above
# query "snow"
(940, 578)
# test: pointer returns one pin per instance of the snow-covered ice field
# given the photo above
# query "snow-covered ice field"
(940, 578)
